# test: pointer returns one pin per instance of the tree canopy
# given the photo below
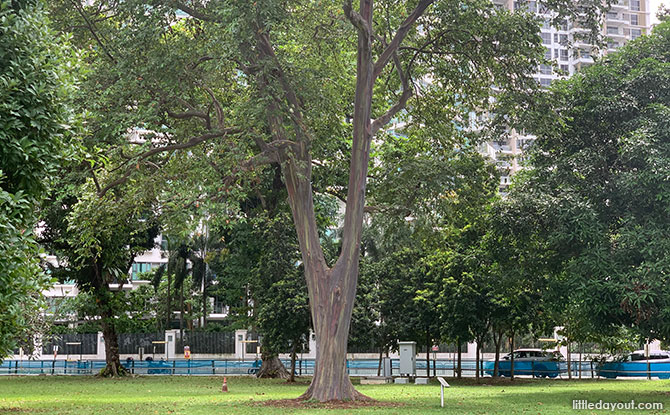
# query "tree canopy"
(598, 192)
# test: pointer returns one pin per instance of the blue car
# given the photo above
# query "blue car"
(533, 362)
(636, 365)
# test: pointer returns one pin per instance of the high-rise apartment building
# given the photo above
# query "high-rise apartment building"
(569, 53)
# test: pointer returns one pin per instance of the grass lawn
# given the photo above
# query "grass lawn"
(202, 395)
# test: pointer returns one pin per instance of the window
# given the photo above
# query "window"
(555, 53)
(545, 82)
(555, 37)
(635, 5)
(612, 15)
(613, 45)
(140, 267)
(612, 30)
(564, 54)
(634, 19)
(635, 33)
(564, 40)
(566, 69)
(564, 25)
(546, 38)
(547, 54)
(545, 69)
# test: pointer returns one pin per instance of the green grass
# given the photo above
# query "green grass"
(202, 395)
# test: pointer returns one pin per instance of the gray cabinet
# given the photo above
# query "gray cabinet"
(407, 358)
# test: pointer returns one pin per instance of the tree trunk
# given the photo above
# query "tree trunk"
(113, 367)
(181, 311)
(428, 353)
(460, 360)
(168, 317)
(291, 378)
(381, 357)
(477, 363)
(497, 340)
(272, 367)
(569, 361)
(204, 308)
(511, 359)
(333, 294)
(331, 290)
(481, 361)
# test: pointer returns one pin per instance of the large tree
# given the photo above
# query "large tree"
(301, 84)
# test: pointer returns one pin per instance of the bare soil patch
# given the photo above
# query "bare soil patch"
(306, 404)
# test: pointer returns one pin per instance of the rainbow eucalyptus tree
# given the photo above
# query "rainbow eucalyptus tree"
(306, 84)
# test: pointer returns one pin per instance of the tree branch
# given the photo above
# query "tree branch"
(193, 12)
(180, 146)
(295, 106)
(400, 35)
(357, 20)
(91, 28)
(402, 101)
(217, 106)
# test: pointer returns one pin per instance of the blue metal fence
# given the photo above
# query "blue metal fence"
(305, 367)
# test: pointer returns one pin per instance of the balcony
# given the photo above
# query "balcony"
(616, 20)
(622, 5)
(583, 60)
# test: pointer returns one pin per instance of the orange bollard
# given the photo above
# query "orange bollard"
(224, 388)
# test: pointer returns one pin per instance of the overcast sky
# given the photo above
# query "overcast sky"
(654, 8)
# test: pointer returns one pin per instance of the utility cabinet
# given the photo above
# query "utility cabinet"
(387, 370)
(407, 358)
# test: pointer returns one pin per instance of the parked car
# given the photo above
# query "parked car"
(534, 362)
(636, 364)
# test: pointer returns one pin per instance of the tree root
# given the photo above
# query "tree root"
(273, 368)
(113, 371)
(349, 394)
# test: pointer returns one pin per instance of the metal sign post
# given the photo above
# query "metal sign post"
(443, 384)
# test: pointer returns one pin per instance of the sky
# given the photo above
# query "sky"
(653, 8)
